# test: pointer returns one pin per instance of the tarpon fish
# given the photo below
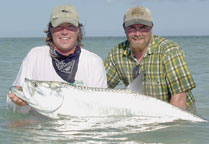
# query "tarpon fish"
(57, 99)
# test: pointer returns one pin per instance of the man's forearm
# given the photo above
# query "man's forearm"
(179, 100)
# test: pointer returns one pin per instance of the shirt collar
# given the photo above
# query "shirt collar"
(153, 46)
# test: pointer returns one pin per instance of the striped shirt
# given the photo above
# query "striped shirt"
(166, 71)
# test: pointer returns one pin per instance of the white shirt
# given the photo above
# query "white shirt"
(37, 65)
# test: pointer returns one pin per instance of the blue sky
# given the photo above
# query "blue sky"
(29, 18)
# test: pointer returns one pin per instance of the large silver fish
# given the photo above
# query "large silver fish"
(57, 99)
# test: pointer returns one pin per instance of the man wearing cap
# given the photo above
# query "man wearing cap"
(166, 74)
(62, 59)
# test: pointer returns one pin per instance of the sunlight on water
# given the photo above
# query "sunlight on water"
(77, 130)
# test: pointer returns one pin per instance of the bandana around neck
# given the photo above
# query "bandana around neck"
(66, 66)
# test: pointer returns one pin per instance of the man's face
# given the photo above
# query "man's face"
(65, 38)
(139, 36)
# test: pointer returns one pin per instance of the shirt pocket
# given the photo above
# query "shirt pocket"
(155, 85)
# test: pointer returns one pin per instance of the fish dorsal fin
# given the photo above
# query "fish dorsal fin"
(136, 84)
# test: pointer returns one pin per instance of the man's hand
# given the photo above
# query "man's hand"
(16, 99)
(179, 100)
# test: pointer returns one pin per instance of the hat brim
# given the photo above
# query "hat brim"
(59, 21)
(138, 21)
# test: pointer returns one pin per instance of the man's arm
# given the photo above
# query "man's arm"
(179, 100)
(112, 76)
(16, 104)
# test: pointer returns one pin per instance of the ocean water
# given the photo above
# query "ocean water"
(33, 129)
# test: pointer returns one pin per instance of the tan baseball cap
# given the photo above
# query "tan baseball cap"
(138, 15)
(64, 14)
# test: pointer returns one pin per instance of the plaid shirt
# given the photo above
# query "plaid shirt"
(166, 72)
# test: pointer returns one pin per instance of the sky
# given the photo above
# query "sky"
(29, 18)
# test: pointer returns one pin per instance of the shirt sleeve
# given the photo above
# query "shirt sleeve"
(22, 74)
(99, 78)
(178, 76)
(15, 108)
(112, 76)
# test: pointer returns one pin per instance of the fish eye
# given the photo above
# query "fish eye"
(35, 85)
